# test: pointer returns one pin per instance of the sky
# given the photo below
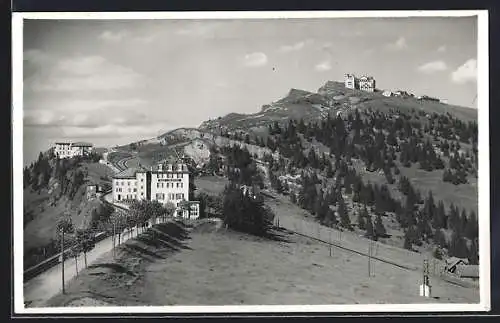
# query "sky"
(112, 82)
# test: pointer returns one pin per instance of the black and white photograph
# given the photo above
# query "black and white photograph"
(257, 161)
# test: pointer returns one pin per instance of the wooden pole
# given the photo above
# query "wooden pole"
(62, 260)
(114, 238)
(369, 258)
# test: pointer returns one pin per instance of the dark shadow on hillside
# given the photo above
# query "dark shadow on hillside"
(176, 230)
(161, 238)
(117, 268)
(280, 229)
(276, 235)
(140, 251)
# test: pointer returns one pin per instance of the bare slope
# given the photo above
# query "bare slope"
(218, 267)
(330, 98)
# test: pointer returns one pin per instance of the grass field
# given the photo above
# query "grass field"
(211, 185)
(205, 266)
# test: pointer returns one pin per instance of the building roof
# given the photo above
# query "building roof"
(128, 173)
(468, 271)
(63, 143)
(82, 144)
(453, 261)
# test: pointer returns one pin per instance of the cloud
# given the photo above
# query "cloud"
(292, 48)
(467, 72)
(145, 39)
(112, 36)
(36, 56)
(83, 73)
(351, 33)
(86, 113)
(323, 66)
(441, 49)
(399, 44)
(255, 59)
(197, 29)
(113, 131)
(432, 67)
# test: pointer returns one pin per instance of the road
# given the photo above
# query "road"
(49, 283)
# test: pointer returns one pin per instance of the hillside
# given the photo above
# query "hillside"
(205, 264)
(54, 189)
(331, 98)
(342, 141)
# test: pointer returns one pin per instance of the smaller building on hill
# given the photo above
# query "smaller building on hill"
(350, 81)
(364, 83)
(367, 84)
(387, 93)
(66, 149)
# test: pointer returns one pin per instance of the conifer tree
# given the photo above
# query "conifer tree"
(345, 221)
(379, 227)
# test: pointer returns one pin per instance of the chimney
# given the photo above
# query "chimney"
(179, 167)
(169, 167)
(160, 167)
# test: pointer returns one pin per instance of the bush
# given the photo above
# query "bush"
(246, 214)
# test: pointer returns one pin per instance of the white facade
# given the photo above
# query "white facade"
(69, 150)
(350, 81)
(63, 149)
(170, 184)
(124, 189)
(367, 84)
(166, 183)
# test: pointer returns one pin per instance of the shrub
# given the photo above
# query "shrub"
(246, 214)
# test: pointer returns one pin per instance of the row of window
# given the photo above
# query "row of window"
(171, 196)
(123, 183)
(169, 175)
(119, 189)
(169, 185)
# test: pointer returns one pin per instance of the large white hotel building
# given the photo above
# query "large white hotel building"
(163, 183)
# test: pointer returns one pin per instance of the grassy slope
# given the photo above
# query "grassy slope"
(41, 229)
(211, 185)
(229, 268)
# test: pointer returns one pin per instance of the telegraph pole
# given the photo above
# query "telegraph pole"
(369, 258)
(114, 238)
(62, 259)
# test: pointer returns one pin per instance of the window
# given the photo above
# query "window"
(160, 196)
(177, 185)
(157, 185)
(182, 185)
(135, 189)
(129, 190)
(142, 179)
(142, 187)
(161, 185)
(128, 183)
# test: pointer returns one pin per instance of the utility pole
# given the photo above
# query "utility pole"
(330, 241)
(369, 258)
(62, 259)
(114, 238)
